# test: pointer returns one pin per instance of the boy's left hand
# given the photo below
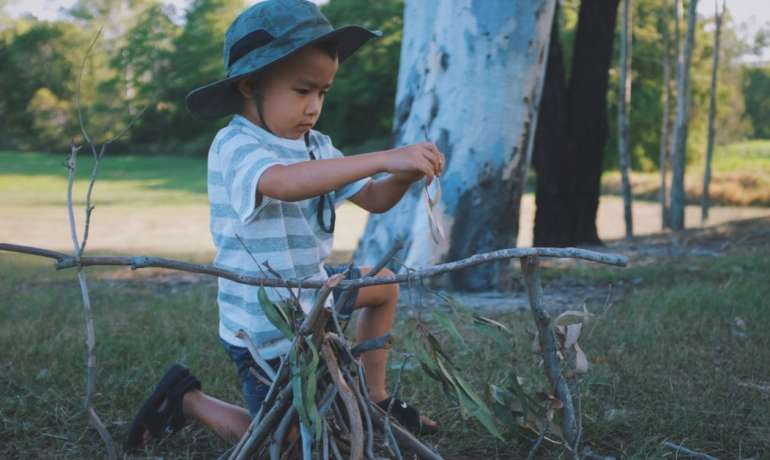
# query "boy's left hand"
(421, 151)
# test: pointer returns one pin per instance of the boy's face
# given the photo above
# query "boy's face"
(292, 92)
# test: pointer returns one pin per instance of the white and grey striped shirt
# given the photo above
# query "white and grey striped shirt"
(285, 234)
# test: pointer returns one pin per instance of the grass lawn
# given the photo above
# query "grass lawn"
(682, 354)
(29, 179)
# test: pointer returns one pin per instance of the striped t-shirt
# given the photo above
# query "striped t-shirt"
(285, 234)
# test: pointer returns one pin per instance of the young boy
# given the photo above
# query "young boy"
(273, 183)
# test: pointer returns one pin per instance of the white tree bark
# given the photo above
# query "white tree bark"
(471, 74)
(624, 106)
(705, 202)
(679, 138)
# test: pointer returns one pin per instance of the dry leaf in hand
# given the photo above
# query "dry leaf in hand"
(581, 360)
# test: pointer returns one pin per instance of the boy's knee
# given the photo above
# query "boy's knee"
(384, 292)
(393, 289)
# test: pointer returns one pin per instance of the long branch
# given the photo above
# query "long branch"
(67, 261)
(87, 314)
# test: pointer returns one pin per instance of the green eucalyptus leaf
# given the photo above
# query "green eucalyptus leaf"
(310, 391)
(449, 326)
(275, 314)
(296, 386)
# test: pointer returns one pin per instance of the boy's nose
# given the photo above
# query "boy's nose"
(314, 107)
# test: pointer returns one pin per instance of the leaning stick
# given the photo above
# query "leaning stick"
(549, 348)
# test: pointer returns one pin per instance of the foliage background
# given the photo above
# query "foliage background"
(146, 57)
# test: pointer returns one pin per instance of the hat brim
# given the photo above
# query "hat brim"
(222, 98)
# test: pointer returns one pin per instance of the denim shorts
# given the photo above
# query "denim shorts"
(254, 390)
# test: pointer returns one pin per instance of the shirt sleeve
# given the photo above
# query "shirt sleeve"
(245, 167)
(346, 191)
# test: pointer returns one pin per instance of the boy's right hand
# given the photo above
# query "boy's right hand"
(411, 162)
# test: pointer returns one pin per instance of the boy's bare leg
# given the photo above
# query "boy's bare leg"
(226, 420)
(376, 320)
(378, 304)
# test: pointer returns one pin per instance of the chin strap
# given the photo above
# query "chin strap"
(258, 103)
(324, 200)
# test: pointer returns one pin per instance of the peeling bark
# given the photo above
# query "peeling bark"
(471, 76)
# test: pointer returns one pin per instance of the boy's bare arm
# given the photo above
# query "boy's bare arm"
(381, 195)
(307, 179)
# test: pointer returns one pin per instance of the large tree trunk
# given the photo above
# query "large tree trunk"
(471, 74)
(679, 138)
(552, 222)
(712, 109)
(624, 107)
(569, 168)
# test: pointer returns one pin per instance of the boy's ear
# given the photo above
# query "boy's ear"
(247, 87)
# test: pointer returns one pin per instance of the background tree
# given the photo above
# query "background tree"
(624, 106)
(756, 94)
(664, 154)
(38, 64)
(366, 83)
(569, 153)
(712, 108)
(197, 60)
(679, 138)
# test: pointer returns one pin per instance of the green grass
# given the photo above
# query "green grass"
(740, 177)
(670, 356)
(743, 156)
(40, 179)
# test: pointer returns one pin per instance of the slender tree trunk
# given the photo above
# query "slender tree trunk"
(679, 138)
(470, 75)
(624, 107)
(665, 141)
(712, 109)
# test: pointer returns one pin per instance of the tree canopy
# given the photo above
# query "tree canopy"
(149, 57)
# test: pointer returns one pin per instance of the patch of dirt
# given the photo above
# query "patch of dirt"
(566, 293)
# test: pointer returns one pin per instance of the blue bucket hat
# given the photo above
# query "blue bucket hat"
(266, 33)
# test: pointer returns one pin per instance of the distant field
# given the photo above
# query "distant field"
(157, 203)
(740, 177)
(747, 156)
(32, 179)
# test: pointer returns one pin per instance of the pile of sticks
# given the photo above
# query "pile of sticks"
(321, 387)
